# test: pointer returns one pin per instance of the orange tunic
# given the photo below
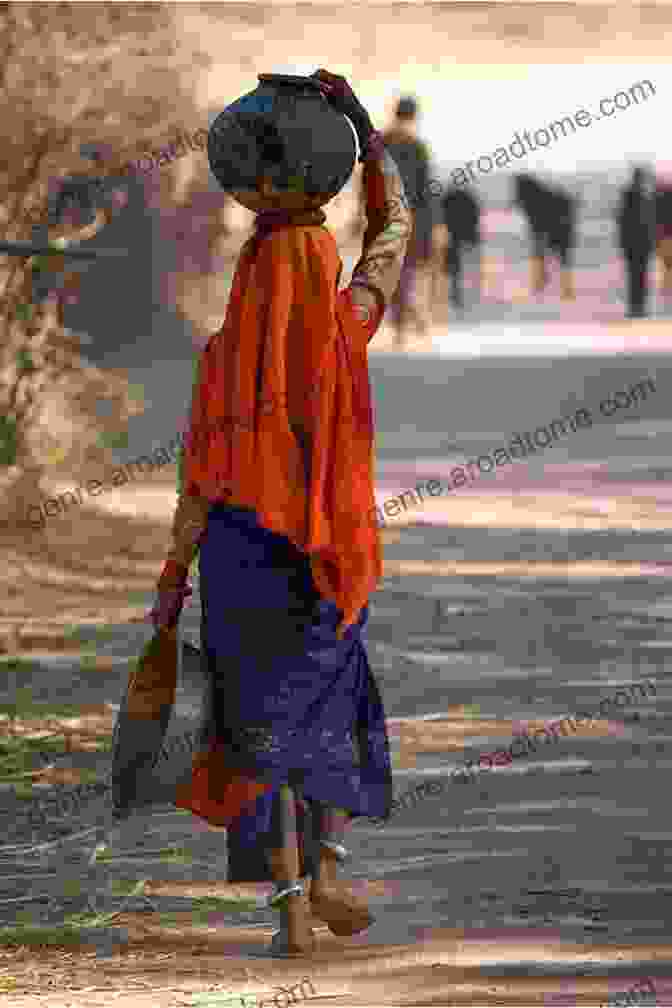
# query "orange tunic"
(281, 413)
(281, 418)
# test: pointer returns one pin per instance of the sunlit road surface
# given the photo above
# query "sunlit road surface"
(543, 882)
(550, 339)
(529, 570)
(570, 496)
(536, 592)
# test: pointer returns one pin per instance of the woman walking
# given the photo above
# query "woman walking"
(276, 490)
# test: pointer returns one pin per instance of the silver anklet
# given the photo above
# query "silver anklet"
(342, 853)
(279, 896)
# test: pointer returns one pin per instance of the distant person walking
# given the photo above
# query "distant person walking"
(636, 237)
(461, 216)
(413, 160)
(551, 215)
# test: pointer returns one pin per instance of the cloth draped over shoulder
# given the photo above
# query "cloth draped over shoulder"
(281, 419)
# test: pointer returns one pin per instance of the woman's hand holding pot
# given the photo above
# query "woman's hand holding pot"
(340, 96)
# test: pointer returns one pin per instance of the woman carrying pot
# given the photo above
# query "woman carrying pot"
(279, 507)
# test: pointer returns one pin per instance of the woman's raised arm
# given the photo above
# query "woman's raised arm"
(389, 221)
(389, 224)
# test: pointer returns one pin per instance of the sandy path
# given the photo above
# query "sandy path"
(167, 967)
(96, 564)
(85, 568)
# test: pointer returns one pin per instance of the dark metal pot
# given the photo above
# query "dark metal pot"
(287, 131)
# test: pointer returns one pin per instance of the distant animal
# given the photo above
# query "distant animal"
(551, 215)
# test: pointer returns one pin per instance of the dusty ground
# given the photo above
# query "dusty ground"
(165, 968)
(97, 566)
(87, 566)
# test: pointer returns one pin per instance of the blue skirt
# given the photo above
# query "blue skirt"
(290, 701)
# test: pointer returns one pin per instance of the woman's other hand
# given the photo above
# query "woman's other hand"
(337, 87)
(171, 591)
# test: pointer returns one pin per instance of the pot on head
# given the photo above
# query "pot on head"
(282, 146)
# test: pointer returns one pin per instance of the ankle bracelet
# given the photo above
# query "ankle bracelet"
(281, 894)
(342, 853)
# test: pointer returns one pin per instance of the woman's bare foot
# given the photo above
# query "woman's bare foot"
(343, 912)
(334, 902)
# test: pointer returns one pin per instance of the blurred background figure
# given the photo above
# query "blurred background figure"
(461, 213)
(551, 215)
(636, 237)
(413, 160)
(663, 217)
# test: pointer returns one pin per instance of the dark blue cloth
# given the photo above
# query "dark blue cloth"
(291, 702)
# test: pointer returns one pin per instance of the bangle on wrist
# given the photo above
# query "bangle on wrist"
(373, 147)
(173, 572)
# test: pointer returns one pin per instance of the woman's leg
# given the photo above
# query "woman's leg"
(331, 899)
(295, 935)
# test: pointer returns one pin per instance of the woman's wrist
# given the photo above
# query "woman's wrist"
(174, 574)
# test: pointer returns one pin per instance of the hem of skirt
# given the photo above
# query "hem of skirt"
(236, 792)
(356, 810)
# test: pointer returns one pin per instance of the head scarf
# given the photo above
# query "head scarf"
(281, 419)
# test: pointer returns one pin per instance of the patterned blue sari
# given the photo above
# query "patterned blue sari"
(289, 701)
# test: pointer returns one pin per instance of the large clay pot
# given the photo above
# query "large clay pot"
(286, 133)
